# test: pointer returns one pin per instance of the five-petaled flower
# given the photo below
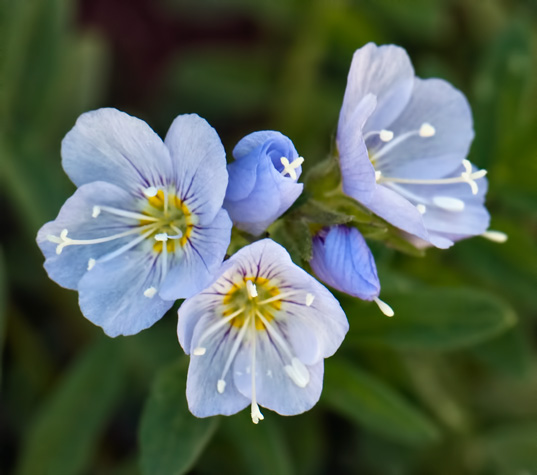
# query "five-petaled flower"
(402, 145)
(342, 259)
(146, 225)
(262, 180)
(259, 335)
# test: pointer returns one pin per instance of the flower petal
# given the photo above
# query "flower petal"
(357, 172)
(112, 294)
(275, 390)
(199, 161)
(386, 72)
(75, 215)
(342, 259)
(109, 145)
(435, 102)
(397, 211)
(205, 370)
(203, 254)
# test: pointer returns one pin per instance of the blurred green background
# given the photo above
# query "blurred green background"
(448, 386)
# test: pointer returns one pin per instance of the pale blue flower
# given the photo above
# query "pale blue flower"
(262, 180)
(259, 335)
(342, 259)
(403, 143)
(146, 225)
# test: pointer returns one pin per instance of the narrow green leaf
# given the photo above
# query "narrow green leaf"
(373, 404)
(439, 319)
(171, 439)
(68, 428)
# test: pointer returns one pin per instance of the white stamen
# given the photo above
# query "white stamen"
(127, 246)
(150, 292)
(251, 288)
(448, 203)
(378, 175)
(150, 192)
(63, 240)
(298, 373)
(220, 323)
(309, 299)
(220, 386)
(384, 307)
(289, 168)
(278, 297)
(96, 211)
(495, 236)
(256, 413)
(386, 135)
(91, 263)
(421, 208)
(235, 347)
(199, 351)
(427, 130)
(128, 214)
(162, 237)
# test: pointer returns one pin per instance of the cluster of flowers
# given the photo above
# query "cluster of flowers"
(151, 222)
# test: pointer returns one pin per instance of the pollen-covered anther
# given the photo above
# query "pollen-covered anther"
(378, 175)
(289, 167)
(385, 135)
(384, 307)
(309, 299)
(150, 192)
(91, 263)
(199, 351)
(427, 130)
(495, 236)
(251, 288)
(96, 211)
(298, 373)
(449, 203)
(422, 209)
(150, 292)
(220, 386)
(162, 237)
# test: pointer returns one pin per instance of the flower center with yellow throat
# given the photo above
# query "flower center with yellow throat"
(173, 218)
(255, 297)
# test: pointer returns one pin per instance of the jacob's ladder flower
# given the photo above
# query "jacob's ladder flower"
(262, 180)
(146, 225)
(258, 336)
(402, 145)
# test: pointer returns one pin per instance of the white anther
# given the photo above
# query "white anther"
(495, 236)
(256, 414)
(150, 292)
(96, 211)
(449, 204)
(289, 168)
(378, 174)
(150, 192)
(384, 307)
(91, 263)
(220, 386)
(251, 288)
(163, 237)
(199, 351)
(386, 135)
(421, 208)
(309, 299)
(298, 373)
(427, 130)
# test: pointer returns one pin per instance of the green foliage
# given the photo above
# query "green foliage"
(171, 439)
(375, 405)
(431, 319)
(66, 432)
